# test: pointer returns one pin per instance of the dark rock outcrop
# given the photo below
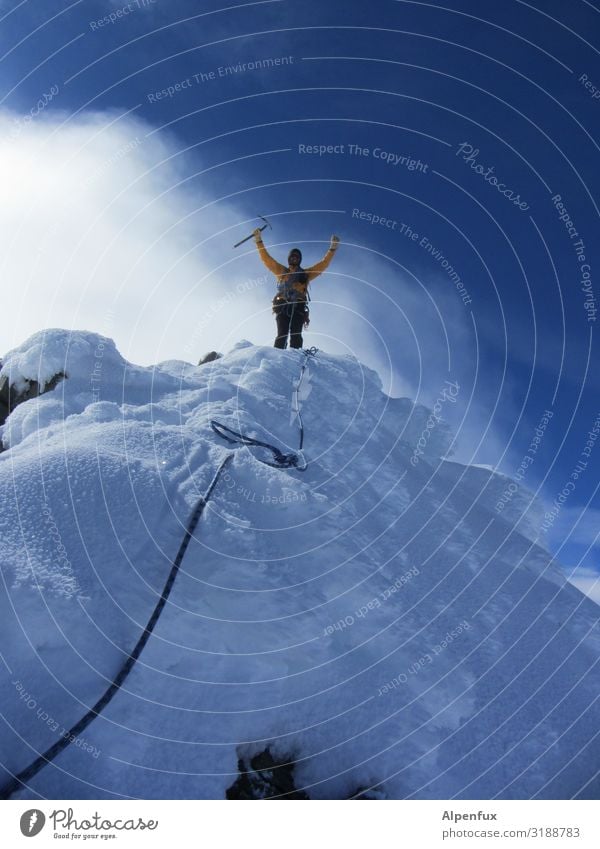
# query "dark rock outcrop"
(11, 397)
(208, 358)
(265, 777)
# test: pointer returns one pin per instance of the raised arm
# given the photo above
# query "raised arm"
(272, 264)
(319, 267)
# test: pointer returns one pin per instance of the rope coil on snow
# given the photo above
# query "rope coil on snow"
(280, 460)
(49, 755)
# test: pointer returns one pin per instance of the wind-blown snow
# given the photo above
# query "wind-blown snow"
(373, 618)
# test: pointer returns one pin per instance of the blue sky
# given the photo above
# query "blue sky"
(137, 148)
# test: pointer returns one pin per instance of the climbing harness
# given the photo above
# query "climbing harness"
(280, 461)
(25, 775)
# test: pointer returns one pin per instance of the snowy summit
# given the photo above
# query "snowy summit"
(362, 614)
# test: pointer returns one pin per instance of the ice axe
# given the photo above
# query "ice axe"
(264, 227)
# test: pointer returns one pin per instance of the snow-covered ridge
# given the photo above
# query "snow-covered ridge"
(372, 618)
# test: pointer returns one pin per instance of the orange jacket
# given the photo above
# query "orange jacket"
(283, 272)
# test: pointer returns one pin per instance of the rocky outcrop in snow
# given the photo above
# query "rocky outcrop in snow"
(14, 393)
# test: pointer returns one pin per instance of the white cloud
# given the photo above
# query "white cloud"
(99, 231)
(588, 581)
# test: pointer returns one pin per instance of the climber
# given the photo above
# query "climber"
(290, 303)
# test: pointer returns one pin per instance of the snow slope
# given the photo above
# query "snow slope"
(372, 618)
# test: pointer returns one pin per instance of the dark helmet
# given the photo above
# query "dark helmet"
(295, 251)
